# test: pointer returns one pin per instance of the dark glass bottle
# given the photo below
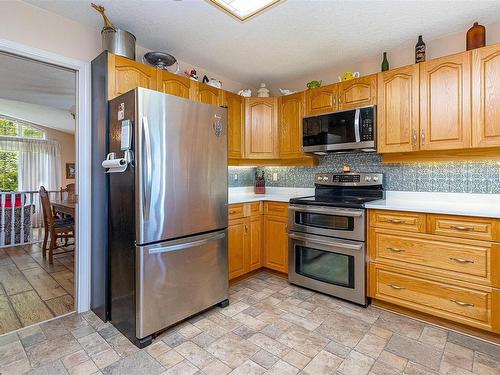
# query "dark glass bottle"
(385, 63)
(476, 36)
(420, 50)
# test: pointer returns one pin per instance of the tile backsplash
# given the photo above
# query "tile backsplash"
(458, 177)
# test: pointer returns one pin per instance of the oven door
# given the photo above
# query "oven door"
(346, 223)
(328, 265)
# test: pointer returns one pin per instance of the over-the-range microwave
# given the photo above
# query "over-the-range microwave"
(340, 131)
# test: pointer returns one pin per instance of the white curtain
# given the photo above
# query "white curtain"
(39, 164)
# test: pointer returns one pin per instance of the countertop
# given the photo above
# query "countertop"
(276, 194)
(467, 204)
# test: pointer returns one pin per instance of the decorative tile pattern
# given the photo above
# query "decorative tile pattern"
(286, 330)
(452, 177)
(246, 176)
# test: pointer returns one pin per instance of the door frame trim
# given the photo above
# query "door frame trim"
(83, 158)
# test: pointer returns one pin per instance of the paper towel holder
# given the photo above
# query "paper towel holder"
(116, 165)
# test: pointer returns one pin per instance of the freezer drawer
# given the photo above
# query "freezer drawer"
(179, 278)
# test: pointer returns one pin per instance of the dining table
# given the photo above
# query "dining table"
(66, 207)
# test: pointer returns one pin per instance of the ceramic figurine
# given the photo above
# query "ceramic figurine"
(192, 74)
(285, 92)
(263, 92)
(246, 93)
(348, 75)
(313, 84)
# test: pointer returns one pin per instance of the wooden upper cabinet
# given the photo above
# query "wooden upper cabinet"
(358, 92)
(261, 128)
(486, 96)
(206, 94)
(173, 84)
(445, 110)
(126, 74)
(290, 125)
(398, 110)
(321, 100)
(235, 124)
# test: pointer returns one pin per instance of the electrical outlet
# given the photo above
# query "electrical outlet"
(275, 176)
(235, 177)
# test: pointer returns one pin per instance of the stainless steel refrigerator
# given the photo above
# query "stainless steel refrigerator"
(167, 211)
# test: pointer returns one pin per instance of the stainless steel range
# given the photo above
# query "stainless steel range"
(327, 234)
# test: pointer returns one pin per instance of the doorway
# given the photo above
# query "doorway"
(52, 119)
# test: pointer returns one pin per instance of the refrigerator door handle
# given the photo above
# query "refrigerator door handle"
(202, 240)
(147, 180)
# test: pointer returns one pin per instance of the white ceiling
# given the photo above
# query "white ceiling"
(34, 82)
(285, 42)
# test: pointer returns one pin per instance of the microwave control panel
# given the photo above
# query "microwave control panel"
(367, 124)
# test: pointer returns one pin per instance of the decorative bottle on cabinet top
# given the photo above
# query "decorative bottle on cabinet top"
(385, 63)
(476, 36)
(420, 50)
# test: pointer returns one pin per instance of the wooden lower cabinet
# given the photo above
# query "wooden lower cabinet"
(257, 237)
(447, 267)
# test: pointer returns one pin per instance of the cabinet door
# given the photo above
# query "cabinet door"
(261, 128)
(321, 100)
(237, 244)
(206, 94)
(486, 97)
(358, 92)
(398, 110)
(255, 242)
(276, 243)
(126, 74)
(445, 121)
(290, 125)
(173, 84)
(235, 124)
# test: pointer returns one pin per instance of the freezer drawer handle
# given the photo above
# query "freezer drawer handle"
(147, 183)
(187, 245)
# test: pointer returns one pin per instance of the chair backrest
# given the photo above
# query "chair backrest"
(48, 218)
(70, 189)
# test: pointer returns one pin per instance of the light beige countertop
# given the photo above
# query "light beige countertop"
(467, 204)
(276, 194)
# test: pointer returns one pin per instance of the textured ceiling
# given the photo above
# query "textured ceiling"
(34, 82)
(285, 42)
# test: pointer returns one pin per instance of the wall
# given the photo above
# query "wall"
(400, 56)
(35, 27)
(68, 150)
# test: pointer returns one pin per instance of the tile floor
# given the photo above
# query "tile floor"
(31, 289)
(270, 327)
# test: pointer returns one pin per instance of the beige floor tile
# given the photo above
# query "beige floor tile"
(486, 365)
(170, 358)
(269, 344)
(371, 345)
(21, 259)
(356, 364)
(216, 367)
(46, 287)
(51, 350)
(196, 355)
(61, 305)
(8, 318)
(323, 363)
(94, 344)
(74, 359)
(105, 358)
(13, 280)
(182, 368)
(232, 350)
(282, 368)
(434, 336)
(30, 308)
(458, 356)
(157, 348)
(66, 279)
(248, 368)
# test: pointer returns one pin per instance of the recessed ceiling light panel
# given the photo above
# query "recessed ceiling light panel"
(243, 9)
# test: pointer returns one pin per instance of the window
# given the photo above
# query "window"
(9, 160)
(12, 128)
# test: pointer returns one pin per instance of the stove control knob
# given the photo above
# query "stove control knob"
(325, 178)
(320, 178)
(368, 178)
(375, 178)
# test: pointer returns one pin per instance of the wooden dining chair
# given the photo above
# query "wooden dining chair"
(54, 227)
(70, 189)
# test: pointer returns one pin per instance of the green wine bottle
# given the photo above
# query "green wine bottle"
(385, 63)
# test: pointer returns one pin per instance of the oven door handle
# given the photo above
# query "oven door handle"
(332, 243)
(327, 211)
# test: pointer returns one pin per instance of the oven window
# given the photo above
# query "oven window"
(329, 221)
(332, 268)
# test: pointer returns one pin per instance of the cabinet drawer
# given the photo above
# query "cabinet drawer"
(464, 227)
(255, 208)
(407, 221)
(276, 209)
(236, 211)
(460, 304)
(466, 260)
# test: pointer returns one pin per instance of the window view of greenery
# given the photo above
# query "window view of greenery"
(9, 159)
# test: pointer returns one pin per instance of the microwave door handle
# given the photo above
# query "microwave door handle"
(357, 125)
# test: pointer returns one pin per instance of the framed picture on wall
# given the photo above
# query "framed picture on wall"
(70, 170)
